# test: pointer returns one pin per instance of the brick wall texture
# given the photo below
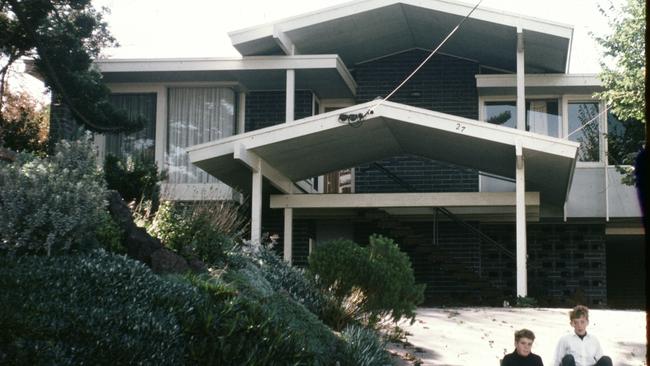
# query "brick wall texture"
(444, 84)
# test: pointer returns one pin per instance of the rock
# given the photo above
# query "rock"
(120, 212)
(140, 245)
(7, 155)
(166, 261)
(196, 265)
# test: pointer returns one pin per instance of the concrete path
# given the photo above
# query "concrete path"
(481, 336)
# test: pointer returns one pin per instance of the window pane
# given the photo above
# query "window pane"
(583, 114)
(501, 113)
(195, 116)
(542, 117)
(140, 142)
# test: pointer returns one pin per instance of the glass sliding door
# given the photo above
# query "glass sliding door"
(139, 144)
(195, 116)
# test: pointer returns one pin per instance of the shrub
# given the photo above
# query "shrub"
(204, 229)
(51, 205)
(380, 272)
(96, 308)
(317, 342)
(136, 178)
(283, 277)
(364, 347)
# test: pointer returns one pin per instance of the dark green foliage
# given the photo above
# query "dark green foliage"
(109, 234)
(283, 277)
(97, 308)
(136, 178)
(364, 347)
(525, 302)
(63, 37)
(205, 229)
(317, 342)
(381, 272)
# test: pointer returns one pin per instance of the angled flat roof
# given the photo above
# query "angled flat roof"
(506, 84)
(320, 144)
(365, 29)
(325, 74)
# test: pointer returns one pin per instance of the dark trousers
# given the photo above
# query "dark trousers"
(569, 361)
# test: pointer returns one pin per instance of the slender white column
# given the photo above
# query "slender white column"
(291, 91)
(520, 193)
(288, 234)
(256, 208)
(241, 113)
(521, 76)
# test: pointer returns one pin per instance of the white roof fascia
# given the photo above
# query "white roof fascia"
(385, 200)
(283, 41)
(448, 123)
(355, 7)
(295, 62)
(537, 80)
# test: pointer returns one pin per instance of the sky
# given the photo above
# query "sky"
(199, 28)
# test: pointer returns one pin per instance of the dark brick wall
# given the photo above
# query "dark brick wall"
(416, 174)
(444, 84)
(566, 264)
(267, 108)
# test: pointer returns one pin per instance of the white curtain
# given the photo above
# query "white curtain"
(195, 116)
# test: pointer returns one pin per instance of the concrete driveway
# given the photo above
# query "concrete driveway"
(481, 336)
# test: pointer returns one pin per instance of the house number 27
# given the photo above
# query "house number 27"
(460, 127)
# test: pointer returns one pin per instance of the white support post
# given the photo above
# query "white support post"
(241, 113)
(288, 234)
(256, 208)
(291, 92)
(520, 193)
(521, 77)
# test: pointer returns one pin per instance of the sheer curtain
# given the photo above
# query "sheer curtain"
(125, 145)
(195, 116)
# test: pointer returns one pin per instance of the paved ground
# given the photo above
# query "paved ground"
(481, 336)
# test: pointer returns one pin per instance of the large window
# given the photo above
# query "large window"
(541, 115)
(140, 143)
(583, 127)
(195, 116)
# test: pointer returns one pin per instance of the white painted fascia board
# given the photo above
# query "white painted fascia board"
(283, 41)
(347, 77)
(538, 80)
(355, 7)
(393, 200)
(477, 129)
(295, 62)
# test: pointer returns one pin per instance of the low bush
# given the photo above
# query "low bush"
(51, 205)
(292, 280)
(96, 308)
(195, 229)
(364, 347)
(317, 342)
(377, 280)
(136, 178)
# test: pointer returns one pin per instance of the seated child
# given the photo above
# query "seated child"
(522, 356)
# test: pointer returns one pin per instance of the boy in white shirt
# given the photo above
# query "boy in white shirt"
(580, 348)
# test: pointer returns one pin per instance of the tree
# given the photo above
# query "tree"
(63, 37)
(623, 76)
(623, 64)
(24, 123)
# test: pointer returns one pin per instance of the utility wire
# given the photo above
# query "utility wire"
(369, 111)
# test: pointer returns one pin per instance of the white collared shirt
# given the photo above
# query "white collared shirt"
(585, 351)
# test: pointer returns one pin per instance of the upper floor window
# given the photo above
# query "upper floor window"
(542, 115)
(195, 116)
